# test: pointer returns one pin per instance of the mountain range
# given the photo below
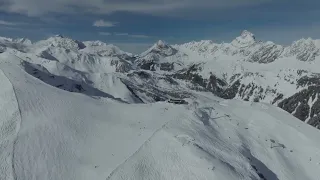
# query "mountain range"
(246, 69)
(88, 110)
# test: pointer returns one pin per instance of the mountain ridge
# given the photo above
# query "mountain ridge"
(245, 69)
(88, 110)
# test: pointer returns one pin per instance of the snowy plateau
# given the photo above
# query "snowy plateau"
(72, 110)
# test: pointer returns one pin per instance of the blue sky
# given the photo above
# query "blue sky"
(135, 24)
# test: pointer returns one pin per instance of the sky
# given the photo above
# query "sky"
(134, 25)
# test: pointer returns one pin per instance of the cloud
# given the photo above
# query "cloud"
(6, 23)
(139, 36)
(43, 7)
(131, 35)
(121, 34)
(103, 23)
(105, 33)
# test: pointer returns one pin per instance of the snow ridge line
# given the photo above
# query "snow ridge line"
(18, 127)
(140, 148)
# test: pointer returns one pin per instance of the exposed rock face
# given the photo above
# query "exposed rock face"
(121, 65)
(148, 86)
(266, 54)
(166, 66)
(304, 105)
(211, 84)
(304, 50)
(149, 62)
(315, 121)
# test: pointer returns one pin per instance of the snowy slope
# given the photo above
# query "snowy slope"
(72, 133)
(50, 133)
(82, 56)
(78, 67)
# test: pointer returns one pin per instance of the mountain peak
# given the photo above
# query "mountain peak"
(247, 34)
(162, 48)
(5, 39)
(61, 42)
(59, 36)
(160, 44)
(95, 43)
(23, 41)
(245, 39)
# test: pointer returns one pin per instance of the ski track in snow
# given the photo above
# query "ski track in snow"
(136, 152)
(18, 125)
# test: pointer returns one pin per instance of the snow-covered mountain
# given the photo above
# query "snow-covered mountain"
(260, 71)
(160, 57)
(246, 69)
(88, 110)
(51, 133)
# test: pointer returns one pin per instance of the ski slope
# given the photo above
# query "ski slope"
(51, 134)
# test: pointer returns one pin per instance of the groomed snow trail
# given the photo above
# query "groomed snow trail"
(140, 148)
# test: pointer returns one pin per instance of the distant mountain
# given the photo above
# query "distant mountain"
(246, 68)
(261, 72)
(88, 110)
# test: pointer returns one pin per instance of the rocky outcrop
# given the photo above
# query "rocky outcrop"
(211, 84)
(267, 53)
(149, 86)
(155, 58)
(122, 66)
(304, 50)
(304, 105)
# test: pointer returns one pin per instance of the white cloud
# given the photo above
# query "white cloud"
(43, 7)
(6, 23)
(103, 23)
(124, 34)
(138, 36)
(121, 34)
(131, 35)
(105, 33)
